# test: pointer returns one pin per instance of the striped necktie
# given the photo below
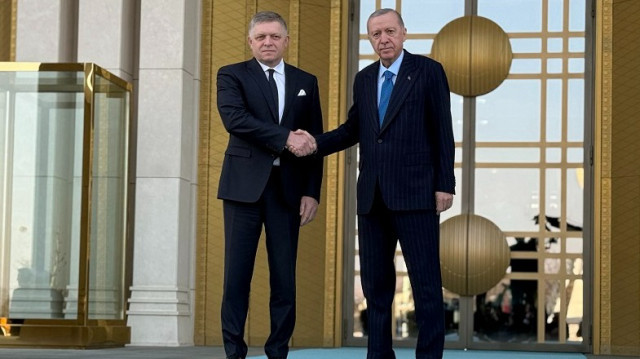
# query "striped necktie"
(385, 94)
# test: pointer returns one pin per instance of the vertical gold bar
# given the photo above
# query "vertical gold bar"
(85, 217)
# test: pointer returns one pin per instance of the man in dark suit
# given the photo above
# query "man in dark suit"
(401, 117)
(260, 102)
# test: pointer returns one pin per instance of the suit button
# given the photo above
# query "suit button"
(379, 140)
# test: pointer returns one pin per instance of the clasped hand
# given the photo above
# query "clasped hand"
(301, 143)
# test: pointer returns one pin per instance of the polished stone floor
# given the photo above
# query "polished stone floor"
(131, 352)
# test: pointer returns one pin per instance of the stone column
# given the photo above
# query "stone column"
(161, 309)
(45, 31)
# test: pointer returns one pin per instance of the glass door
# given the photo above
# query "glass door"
(521, 151)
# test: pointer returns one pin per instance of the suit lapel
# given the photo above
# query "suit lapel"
(290, 86)
(370, 94)
(407, 76)
(263, 84)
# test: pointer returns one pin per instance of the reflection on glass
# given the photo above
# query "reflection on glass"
(507, 312)
(40, 188)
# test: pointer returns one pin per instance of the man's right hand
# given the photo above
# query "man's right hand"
(301, 143)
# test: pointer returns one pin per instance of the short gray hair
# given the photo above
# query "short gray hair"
(267, 16)
(380, 12)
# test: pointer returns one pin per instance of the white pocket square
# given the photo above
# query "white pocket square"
(302, 93)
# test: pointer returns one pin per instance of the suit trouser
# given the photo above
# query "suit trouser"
(418, 232)
(243, 224)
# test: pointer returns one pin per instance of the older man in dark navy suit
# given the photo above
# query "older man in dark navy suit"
(261, 102)
(401, 117)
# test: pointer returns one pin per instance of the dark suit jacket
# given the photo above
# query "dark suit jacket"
(412, 155)
(249, 115)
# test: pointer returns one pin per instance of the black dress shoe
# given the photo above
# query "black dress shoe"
(234, 356)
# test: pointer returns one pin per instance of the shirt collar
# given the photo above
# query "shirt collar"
(279, 67)
(395, 66)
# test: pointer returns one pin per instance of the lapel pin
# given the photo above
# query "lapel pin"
(409, 78)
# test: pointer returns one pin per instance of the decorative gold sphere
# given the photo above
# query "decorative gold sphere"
(475, 53)
(474, 254)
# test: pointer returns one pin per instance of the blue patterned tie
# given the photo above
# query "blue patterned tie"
(385, 94)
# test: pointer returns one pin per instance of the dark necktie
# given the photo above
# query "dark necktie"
(385, 94)
(274, 89)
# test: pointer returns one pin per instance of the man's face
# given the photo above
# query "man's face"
(387, 37)
(268, 41)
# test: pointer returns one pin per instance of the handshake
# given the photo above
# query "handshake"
(301, 143)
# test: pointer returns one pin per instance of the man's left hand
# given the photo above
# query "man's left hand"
(444, 201)
(308, 209)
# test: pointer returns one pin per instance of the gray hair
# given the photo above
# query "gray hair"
(267, 16)
(380, 12)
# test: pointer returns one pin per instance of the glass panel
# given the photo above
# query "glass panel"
(576, 66)
(575, 155)
(554, 110)
(555, 19)
(526, 45)
(575, 198)
(552, 303)
(433, 14)
(519, 115)
(365, 48)
(575, 299)
(457, 103)
(576, 44)
(553, 199)
(421, 47)
(574, 245)
(40, 187)
(577, 10)
(508, 197)
(513, 16)
(554, 155)
(108, 199)
(508, 155)
(575, 110)
(451, 315)
(554, 66)
(554, 44)
(525, 66)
